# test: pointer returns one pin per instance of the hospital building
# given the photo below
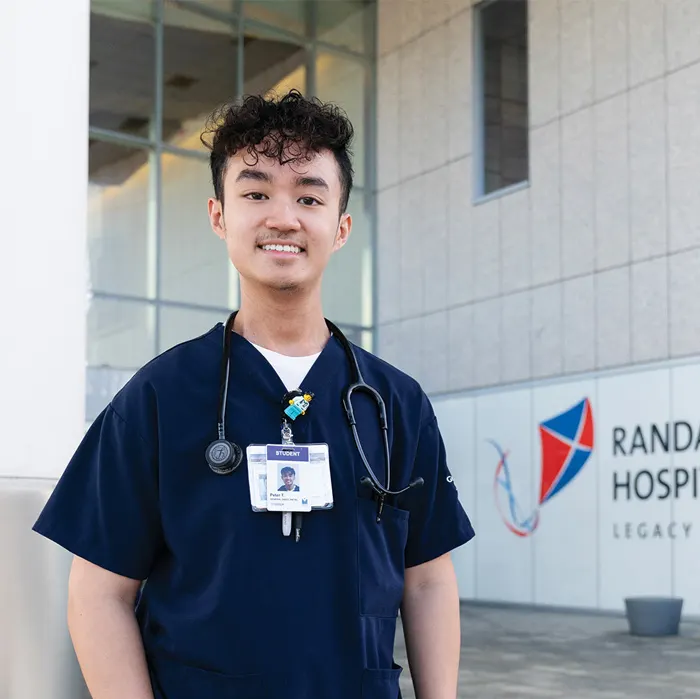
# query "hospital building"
(525, 243)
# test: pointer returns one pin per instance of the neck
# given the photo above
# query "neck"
(283, 322)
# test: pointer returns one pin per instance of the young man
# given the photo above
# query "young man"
(156, 492)
(288, 474)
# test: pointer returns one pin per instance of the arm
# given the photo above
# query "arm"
(430, 616)
(105, 633)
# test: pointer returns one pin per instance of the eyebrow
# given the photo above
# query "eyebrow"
(312, 182)
(250, 174)
(260, 176)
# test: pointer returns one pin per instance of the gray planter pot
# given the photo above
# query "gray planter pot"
(653, 616)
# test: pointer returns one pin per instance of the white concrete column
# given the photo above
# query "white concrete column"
(44, 56)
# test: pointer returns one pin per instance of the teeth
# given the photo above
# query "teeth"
(282, 248)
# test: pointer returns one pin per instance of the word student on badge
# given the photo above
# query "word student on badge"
(268, 458)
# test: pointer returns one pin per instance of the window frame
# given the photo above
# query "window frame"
(479, 193)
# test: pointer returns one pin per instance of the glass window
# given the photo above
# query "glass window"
(152, 252)
(362, 338)
(194, 261)
(181, 324)
(342, 81)
(102, 384)
(121, 334)
(122, 66)
(347, 286)
(344, 23)
(126, 9)
(503, 130)
(120, 340)
(199, 72)
(272, 63)
(228, 6)
(121, 224)
(288, 15)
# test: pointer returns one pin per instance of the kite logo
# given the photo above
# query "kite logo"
(566, 442)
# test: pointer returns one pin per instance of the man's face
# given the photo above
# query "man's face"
(281, 223)
(288, 479)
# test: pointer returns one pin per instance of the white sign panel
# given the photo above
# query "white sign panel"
(684, 465)
(505, 497)
(634, 510)
(582, 493)
(456, 423)
(565, 461)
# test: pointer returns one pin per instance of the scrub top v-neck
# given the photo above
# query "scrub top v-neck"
(291, 370)
(231, 608)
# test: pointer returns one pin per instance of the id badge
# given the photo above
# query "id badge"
(320, 476)
(287, 474)
(312, 475)
(257, 476)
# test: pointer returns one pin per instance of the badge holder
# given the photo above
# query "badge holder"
(287, 477)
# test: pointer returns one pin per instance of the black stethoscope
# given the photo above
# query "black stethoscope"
(225, 457)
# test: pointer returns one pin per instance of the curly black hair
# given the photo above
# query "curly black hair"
(289, 129)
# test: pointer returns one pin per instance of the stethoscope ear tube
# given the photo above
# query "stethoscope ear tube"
(362, 387)
(224, 457)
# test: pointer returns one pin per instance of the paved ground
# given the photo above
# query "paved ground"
(514, 653)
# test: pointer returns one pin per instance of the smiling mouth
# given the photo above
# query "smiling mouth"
(290, 249)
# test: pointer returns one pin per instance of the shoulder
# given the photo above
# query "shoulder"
(393, 383)
(382, 370)
(140, 396)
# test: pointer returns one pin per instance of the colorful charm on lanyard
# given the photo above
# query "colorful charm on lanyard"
(298, 404)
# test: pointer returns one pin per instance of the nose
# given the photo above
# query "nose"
(282, 217)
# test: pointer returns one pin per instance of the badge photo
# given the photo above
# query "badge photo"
(288, 479)
(286, 488)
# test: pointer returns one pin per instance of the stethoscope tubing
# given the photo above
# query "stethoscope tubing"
(357, 384)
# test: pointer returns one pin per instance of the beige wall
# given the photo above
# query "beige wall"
(596, 263)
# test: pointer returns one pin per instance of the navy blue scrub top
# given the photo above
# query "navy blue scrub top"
(231, 608)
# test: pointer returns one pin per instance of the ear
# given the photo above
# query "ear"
(216, 218)
(344, 228)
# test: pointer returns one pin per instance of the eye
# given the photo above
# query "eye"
(255, 196)
(309, 201)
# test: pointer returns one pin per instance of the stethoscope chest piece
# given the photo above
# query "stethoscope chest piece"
(224, 457)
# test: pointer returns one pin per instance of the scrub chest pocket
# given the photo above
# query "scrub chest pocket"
(381, 558)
